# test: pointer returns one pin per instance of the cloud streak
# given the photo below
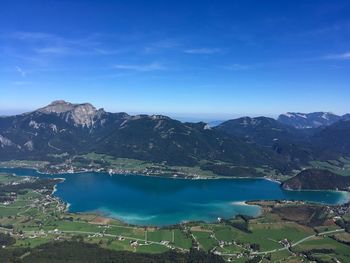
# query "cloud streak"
(237, 67)
(205, 51)
(33, 36)
(54, 50)
(51, 44)
(141, 67)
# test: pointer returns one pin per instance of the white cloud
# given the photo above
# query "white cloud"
(342, 56)
(142, 67)
(203, 51)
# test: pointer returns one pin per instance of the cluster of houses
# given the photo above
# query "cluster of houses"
(286, 243)
(339, 210)
(11, 197)
(96, 235)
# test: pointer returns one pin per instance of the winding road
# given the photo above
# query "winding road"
(292, 245)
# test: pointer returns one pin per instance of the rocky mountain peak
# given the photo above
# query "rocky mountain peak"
(60, 106)
(80, 114)
(57, 106)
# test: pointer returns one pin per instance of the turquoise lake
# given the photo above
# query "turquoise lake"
(143, 200)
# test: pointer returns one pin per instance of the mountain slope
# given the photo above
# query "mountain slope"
(333, 139)
(317, 179)
(159, 138)
(261, 130)
(286, 141)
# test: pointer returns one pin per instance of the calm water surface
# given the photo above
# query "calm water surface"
(163, 201)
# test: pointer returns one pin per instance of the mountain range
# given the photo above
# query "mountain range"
(234, 145)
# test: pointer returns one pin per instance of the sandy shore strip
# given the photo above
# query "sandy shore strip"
(240, 203)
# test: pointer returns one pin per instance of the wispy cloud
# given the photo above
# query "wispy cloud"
(51, 44)
(141, 67)
(54, 50)
(342, 56)
(21, 71)
(33, 36)
(203, 50)
(161, 45)
(107, 51)
(237, 67)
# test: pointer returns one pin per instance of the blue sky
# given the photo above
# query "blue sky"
(204, 59)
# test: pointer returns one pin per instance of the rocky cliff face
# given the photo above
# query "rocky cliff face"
(4, 142)
(58, 106)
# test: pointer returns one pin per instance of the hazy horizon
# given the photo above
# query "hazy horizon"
(184, 117)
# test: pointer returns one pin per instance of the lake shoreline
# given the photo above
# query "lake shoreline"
(344, 197)
(273, 180)
(176, 177)
(136, 173)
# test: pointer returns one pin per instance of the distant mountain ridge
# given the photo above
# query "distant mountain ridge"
(298, 144)
(215, 123)
(310, 120)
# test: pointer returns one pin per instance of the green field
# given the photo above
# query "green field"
(203, 238)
